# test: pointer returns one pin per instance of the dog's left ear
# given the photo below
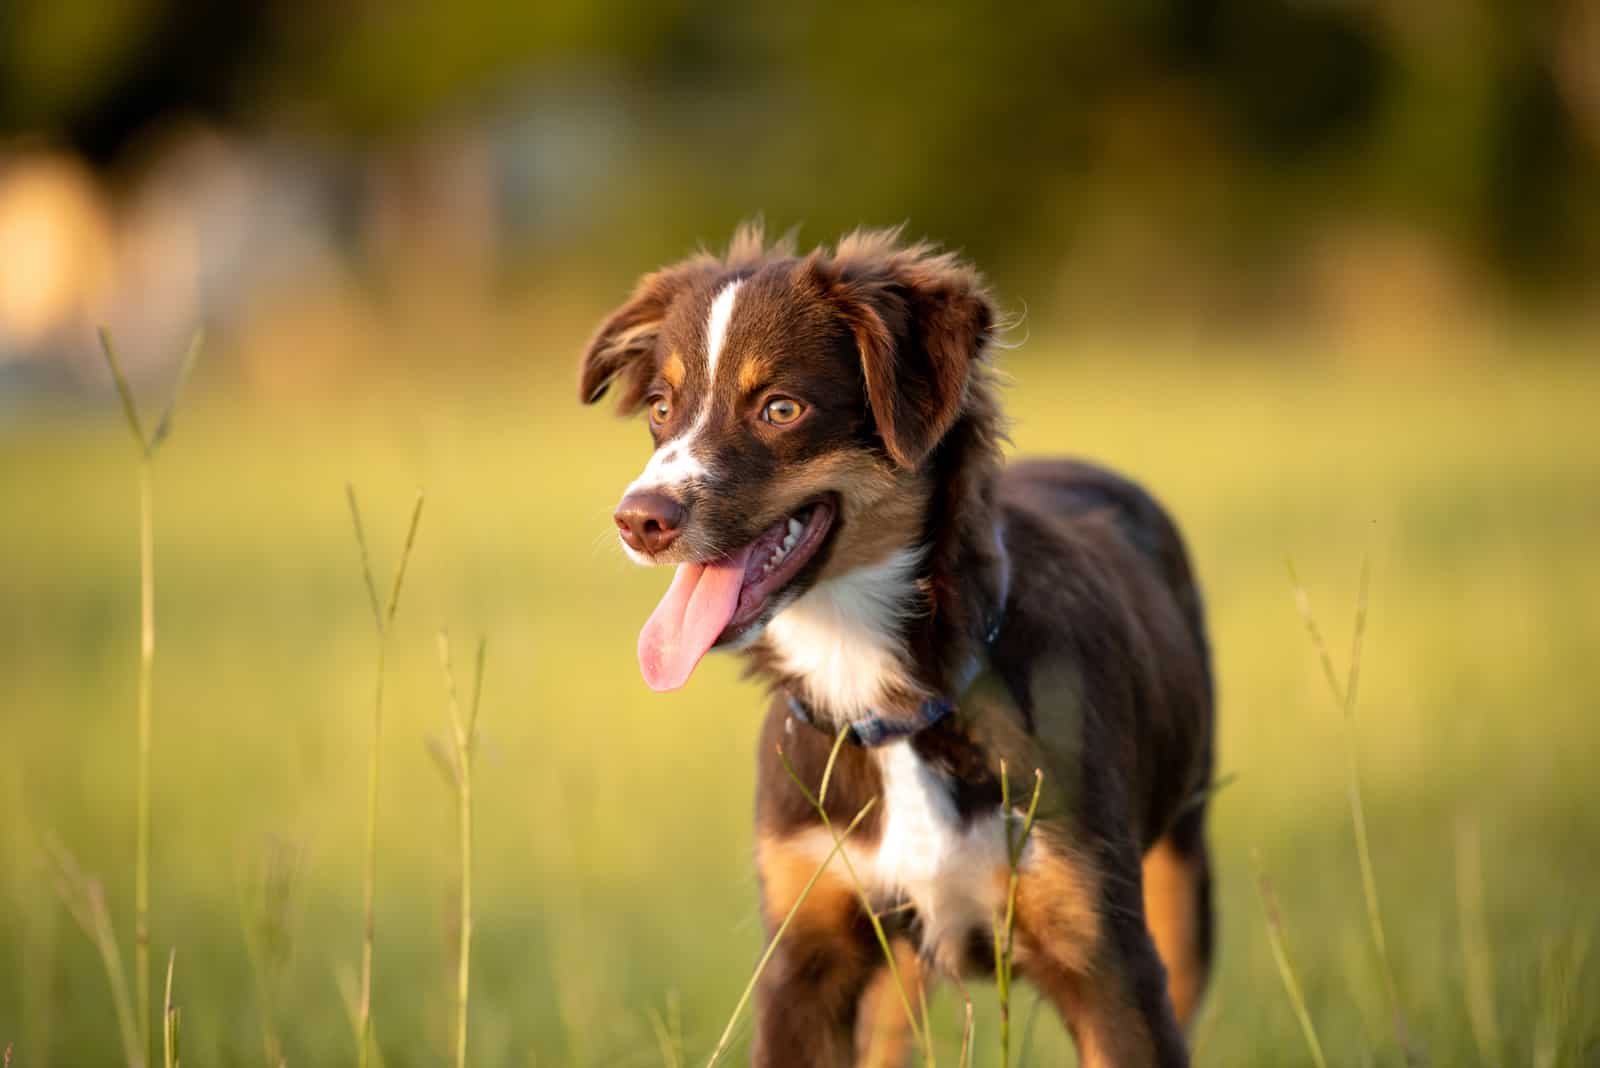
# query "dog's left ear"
(625, 344)
(921, 320)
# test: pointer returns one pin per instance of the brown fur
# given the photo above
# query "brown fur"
(1099, 675)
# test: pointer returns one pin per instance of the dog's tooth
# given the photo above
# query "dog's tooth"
(795, 528)
(788, 542)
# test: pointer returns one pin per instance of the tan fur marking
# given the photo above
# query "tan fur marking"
(1106, 1029)
(752, 373)
(673, 370)
(1169, 908)
(786, 867)
(1058, 915)
(881, 511)
(1058, 927)
(883, 1035)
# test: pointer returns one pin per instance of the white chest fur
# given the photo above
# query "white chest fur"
(953, 872)
(842, 641)
(842, 637)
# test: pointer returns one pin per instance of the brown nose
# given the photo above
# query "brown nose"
(649, 521)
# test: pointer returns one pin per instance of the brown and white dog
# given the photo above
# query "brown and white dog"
(827, 479)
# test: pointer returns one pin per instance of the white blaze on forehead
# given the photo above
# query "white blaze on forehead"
(717, 330)
(674, 463)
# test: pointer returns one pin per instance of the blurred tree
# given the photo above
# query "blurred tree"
(1233, 126)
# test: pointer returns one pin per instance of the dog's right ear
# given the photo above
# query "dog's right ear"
(623, 346)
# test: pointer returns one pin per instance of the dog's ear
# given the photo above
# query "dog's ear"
(921, 320)
(622, 347)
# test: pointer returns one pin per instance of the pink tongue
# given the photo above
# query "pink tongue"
(696, 609)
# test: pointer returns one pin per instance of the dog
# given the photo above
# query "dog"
(828, 481)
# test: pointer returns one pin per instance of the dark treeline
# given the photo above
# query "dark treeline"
(1230, 127)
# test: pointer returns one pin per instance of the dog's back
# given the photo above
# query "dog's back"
(1073, 489)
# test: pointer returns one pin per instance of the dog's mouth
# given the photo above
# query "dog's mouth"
(717, 601)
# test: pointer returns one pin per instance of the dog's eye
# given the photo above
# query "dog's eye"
(782, 410)
(660, 409)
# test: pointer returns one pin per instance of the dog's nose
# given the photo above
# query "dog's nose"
(649, 521)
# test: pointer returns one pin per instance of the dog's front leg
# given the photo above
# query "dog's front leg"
(808, 997)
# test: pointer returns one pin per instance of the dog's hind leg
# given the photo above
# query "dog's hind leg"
(1178, 908)
(883, 1033)
(1083, 942)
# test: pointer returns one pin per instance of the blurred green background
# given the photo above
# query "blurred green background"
(1323, 275)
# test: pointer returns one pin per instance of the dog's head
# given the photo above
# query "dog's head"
(794, 403)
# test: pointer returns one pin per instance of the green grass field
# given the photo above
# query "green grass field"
(613, 878)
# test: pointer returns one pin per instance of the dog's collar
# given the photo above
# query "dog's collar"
(874, 730)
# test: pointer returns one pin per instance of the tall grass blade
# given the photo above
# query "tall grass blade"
(1027, 1030)
(405, 558)
(85, 900)
(964, 1060)
(268, 894)
(1345, 697)
(1557, 1035)
(349, 985)
(130, 410)
(1280, 953)
(366, 556)
(463, 728)
(669, 1042)
(147, 655)
(382, 622)
(169, 1019)
(1005, 924)
(147, 642)
(164, 427)
(1475, 943)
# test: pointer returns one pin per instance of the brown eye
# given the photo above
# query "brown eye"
(782, 411)
(660, 409)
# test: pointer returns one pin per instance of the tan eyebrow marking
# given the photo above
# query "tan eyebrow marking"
(673, 370)
(752, 373)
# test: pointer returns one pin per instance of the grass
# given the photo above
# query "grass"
(457, 767)
(1477, 954)
(1017, 833)
(1278, 940)
(147, 449)
(1344, 698)
(170, 1020)
(611, 851)
(383, 622)
(84, 896)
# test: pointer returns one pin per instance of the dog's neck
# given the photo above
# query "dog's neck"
(881, 639)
